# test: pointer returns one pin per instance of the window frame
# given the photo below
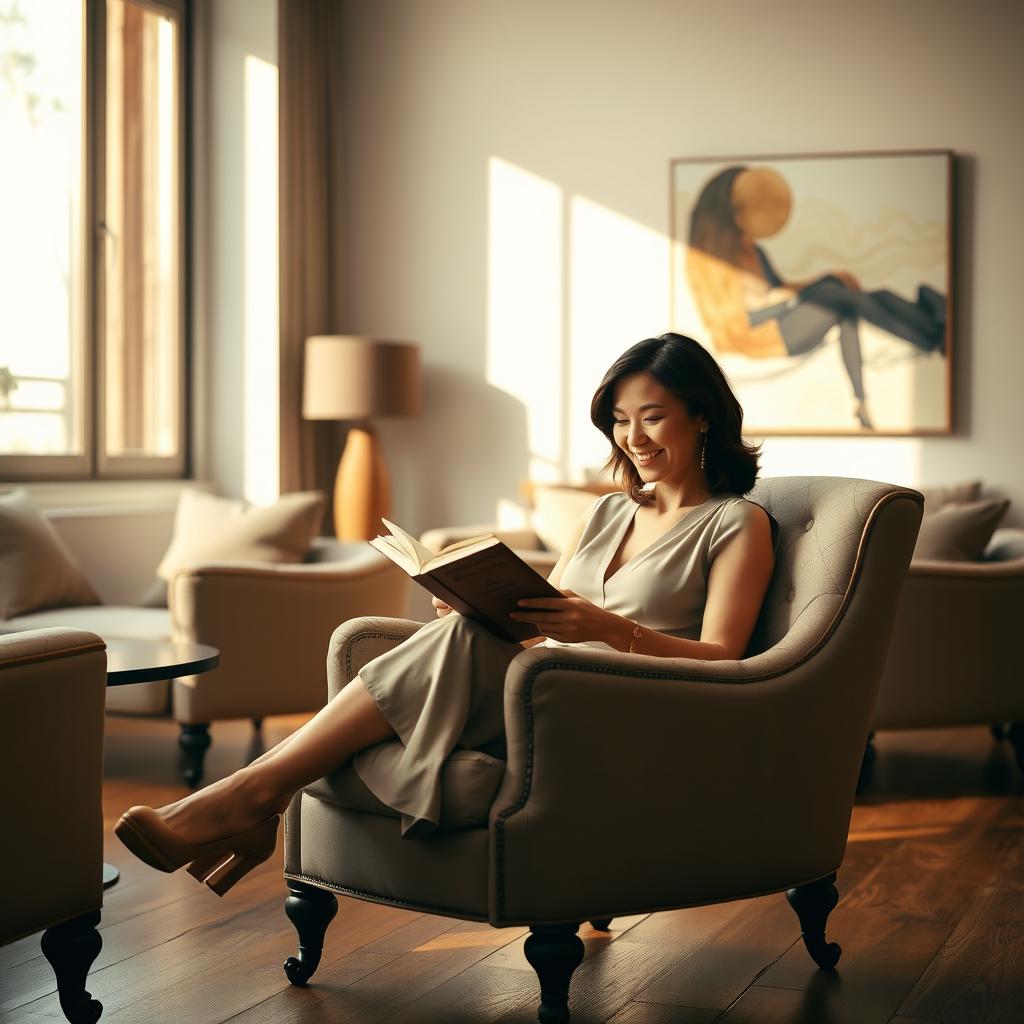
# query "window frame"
(93, 463)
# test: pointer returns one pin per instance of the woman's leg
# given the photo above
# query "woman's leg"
(803, 329)
(913, 322)
(349, 723)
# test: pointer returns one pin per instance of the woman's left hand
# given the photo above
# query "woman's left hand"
(570, 619)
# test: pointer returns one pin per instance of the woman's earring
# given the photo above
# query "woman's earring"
(702, 448)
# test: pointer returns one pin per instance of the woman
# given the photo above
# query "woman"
(747, 305)
(675, 565)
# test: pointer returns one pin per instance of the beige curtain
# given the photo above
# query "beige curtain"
(311, 280)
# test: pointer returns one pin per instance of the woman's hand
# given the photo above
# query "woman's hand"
(442, 608)
(570, 619)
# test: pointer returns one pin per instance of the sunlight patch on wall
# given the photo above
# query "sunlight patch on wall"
(524, 307)
(261, 483)
(619, 294)
(889, 459)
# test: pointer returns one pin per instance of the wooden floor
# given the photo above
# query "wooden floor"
(931, 919)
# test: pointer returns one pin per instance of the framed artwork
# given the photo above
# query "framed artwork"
(822, 286)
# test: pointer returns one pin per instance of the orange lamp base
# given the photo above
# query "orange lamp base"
(362, 489)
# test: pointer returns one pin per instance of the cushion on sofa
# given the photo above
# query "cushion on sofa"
(959, 531)
(112, 622)
(212, 529)
(36, 570)
(469, 782)
(937, 495)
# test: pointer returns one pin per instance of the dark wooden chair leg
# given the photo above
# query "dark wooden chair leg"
(554, 952)
(257, 724)
(1015, 734)
(71, 948)
(813, 903)
(310, 910)
(194, 741)
(601, 924)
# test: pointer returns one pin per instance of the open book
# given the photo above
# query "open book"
(480, 577)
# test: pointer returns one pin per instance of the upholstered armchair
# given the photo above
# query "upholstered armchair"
(558, 831)
(271, 624)
(954, 658)
(52, 683)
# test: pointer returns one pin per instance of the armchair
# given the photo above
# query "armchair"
(677, 818)
(52, 860)
(271, 624)
(954, 658)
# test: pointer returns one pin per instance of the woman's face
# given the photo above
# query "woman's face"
(655, 430)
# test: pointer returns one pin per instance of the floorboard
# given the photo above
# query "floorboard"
(931, 920)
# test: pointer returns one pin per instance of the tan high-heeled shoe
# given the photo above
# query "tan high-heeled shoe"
(219, 864)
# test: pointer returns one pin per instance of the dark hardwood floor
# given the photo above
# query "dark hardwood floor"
(931, 920)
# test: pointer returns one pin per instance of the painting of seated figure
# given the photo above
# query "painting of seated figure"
(822, 285)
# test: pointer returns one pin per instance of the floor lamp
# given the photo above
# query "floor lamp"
(352, 377)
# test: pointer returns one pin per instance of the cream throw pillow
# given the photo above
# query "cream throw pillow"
(959, 531)
(211, 529)
(36, 570)
(942, 494)
(557, 510)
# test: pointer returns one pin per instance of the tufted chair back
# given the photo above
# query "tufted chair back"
(815, 555)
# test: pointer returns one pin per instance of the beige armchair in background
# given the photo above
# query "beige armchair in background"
(954, 658)
(272, 624)
(665, 814)
(52, 684)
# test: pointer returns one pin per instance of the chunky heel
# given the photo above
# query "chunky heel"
(219, 864)
(231, 871)
(202, 867)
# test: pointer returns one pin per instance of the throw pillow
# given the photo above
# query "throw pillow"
(211, 529)
(36, 570)
(942, 494)
(557, 510)
(959, 532)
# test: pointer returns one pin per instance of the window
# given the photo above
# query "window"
(92, 269)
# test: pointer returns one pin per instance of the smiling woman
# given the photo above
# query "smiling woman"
(675, 568)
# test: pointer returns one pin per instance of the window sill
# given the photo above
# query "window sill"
(98, 495)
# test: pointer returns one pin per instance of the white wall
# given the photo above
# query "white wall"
(507, 204)
(236, 323)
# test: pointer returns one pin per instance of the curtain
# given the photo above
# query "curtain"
(310, 227)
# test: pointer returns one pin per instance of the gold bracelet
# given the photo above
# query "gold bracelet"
(635, 637)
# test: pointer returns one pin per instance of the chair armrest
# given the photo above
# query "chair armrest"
(272, 625)
(52, 689)
(953, 658)
(521, 539)
(673, 774)
(360, 640)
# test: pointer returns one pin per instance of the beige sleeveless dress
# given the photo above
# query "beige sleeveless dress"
(443, 687)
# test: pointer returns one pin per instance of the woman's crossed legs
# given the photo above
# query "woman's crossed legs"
(349, 723)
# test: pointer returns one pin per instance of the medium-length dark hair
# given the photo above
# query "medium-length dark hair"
(684, 367)
(713, 227)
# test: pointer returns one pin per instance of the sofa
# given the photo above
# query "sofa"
(271, 622)
(952, 659)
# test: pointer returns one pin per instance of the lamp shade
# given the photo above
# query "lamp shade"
(353, 377)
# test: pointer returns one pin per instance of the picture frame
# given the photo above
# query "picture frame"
(822, 285)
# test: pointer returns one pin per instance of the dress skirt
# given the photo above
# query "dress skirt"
(441, 689)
